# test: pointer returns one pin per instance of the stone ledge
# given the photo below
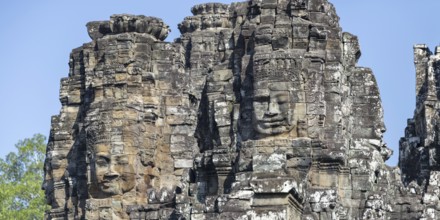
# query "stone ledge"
(125, 23)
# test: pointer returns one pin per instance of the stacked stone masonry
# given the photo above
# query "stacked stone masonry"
(257, 111)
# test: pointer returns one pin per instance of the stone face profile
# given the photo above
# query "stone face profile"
(257, 111)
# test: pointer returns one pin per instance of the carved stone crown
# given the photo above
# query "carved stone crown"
(210, 8)
(281, 67)
(97, 134)
(210, 15)
(125, 23)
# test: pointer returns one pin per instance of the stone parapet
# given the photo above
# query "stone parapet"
(125, 23)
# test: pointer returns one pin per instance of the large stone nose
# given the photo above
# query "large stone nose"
(379, 130)
(273, 109)
(111, 173)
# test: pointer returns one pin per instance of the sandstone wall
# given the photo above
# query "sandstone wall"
(258, 111)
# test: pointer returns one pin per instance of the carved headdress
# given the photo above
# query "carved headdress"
(277, 67)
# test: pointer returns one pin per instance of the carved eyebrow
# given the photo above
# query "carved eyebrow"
(101, 155)
(122, 157)
(282, 96)
(261, 93)
(261, 98)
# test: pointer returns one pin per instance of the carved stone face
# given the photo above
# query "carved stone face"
(114, 173)
(272, 112)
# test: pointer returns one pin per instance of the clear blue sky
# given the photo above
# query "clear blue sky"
(37, 37)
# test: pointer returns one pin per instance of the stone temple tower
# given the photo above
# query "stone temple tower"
(257, 111)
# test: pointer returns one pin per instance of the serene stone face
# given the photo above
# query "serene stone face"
(272, 111)
(114, 173)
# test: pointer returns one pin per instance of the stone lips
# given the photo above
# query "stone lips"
(257, 111)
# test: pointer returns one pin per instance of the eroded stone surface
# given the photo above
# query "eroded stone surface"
(418, 156)
(258, 111)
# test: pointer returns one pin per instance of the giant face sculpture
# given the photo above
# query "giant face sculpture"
(111, 167)
(114, 172)
(272, 111)
(275, 93)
